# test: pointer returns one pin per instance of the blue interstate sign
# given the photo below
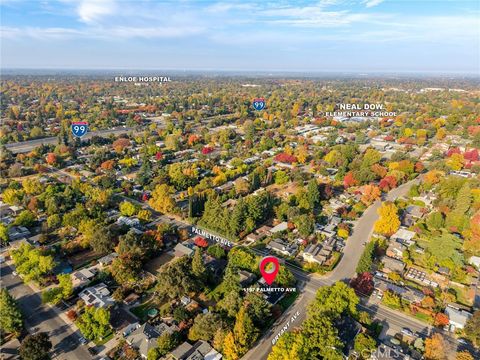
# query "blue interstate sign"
(79, 128)
(259, 104)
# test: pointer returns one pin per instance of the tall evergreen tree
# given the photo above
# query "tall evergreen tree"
(11, 320)
(313, 194)
(198, 267)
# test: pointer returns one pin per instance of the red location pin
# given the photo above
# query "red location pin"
(269, 276)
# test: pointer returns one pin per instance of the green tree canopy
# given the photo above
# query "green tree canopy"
(11, 319)
(35, 347)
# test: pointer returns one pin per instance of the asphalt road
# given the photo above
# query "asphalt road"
(27, 146)
(344, 271)
(42, 318)
(391, 320)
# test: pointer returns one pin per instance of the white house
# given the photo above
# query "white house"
(457, 317)
(98, 296)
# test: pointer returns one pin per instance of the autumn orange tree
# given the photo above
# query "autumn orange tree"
(472, 243)
(435, 348)
(51, 158)
(441, 319)
(388, 222)
(370, 194)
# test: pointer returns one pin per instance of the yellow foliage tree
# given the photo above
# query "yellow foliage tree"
(332, 157)
(433, 177)
(388, 223)
(161, 199)
(435, 348)
(464, 355)
(441, 133)
(230, 348)
(455, 162)
(302, 154)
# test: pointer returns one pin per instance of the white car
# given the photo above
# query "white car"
(407, 331)
(83, 341)
(14, 273)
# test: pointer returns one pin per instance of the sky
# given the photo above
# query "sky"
(309, 36)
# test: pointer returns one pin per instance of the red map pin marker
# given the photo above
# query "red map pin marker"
(269, 276)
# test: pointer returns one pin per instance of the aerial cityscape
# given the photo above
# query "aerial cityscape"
(200, 202)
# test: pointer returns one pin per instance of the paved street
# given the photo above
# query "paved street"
(43, 318)
(392, 321)
(343, 272)
(27, 146)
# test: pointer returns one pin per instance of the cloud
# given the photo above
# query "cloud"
(8, 32)
(225, 7)
(313, 15)
(372, 3)
(91, 11)
(124, 32)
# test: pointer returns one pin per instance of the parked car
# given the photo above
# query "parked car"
(407, 332)
(83, 341)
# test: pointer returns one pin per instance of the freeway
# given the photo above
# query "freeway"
(344, 271)
(42, 318)
(27, 146)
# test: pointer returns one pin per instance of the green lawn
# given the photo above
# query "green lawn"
(424, 317)
(104, 339)
(141, 310)
(288, 300)
(461, 295)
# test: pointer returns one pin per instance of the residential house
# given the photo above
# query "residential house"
(252, 238)
(143, 339)
(82, 277)
(395, 250)
(181, 250)
(216, 266)
(272, 297)
(107, 259)
(201, 350)
(427, 198)
(475, 261)
(327, 230)
(131, 222)
(131, 299)
(406, 293)
(35, 239)
(283, 226)
(404, 236)
(391, 264)
(313, 254)
(411, 214)
(335, 204)
(18, 232)
(420, 277)
(457, 316)
(283, 247)
(264, 231)
(246, 278)
(98, 296)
